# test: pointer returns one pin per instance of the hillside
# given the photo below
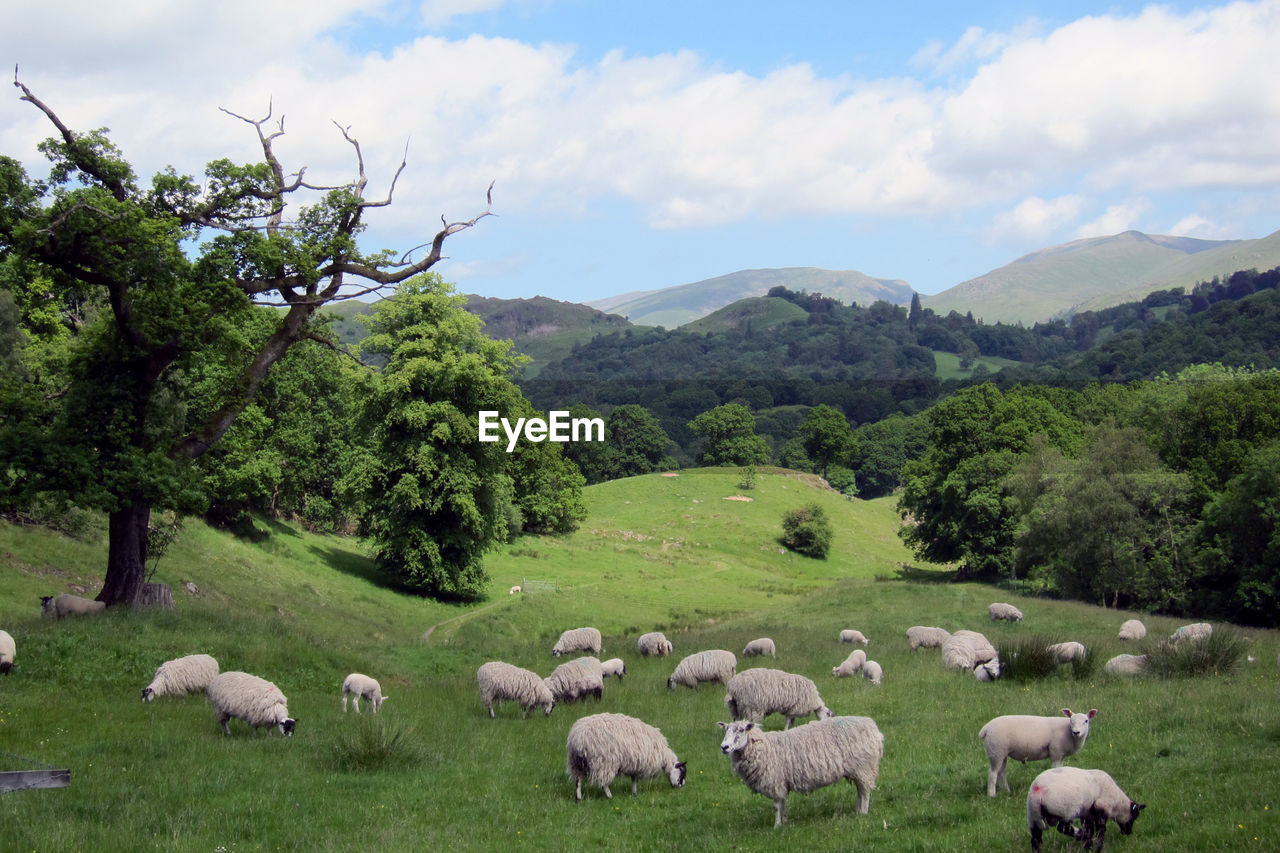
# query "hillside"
(543, 329)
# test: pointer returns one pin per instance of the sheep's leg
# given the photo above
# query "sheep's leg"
(489, 705)
(355, 700)
(344, 701)
(635, 786)
(1037, 837)
(1100, 832)
(607, 792)
(577, 794)
(779, 812)
(790, 720)
(996, 775)
(864, 796)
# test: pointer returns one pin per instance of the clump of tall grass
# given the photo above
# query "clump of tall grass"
(1029, 659)
(1216, 654)
(374, 743)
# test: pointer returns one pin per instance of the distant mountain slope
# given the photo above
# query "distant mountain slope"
(542, 328)
(757, 312)
(1099, 272)
(674, 306)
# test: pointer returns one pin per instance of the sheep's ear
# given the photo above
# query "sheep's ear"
(1066, 712)
(1093, 712)
(722, 725)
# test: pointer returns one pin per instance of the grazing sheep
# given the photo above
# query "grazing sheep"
(653, 643)
(603, 747)
(1026, 738)
(1126, 665)
(762, 646)
(247, 697)
(500, 681)
(8, 651)
(613, 666)
(1062, 795)
(69, 605)
(966, 649)
(180, 676)
(806, 758)
(851, 665)
(1196, 631)
(577, 640)
(757, 693)
(999, 610)
(362, 686)
(849, 635)
(1067, 652)
(711, 665)
(872, 672)
(989, 671)
(514, 590)
(1133, 629)
(926, 637)
(575, 679)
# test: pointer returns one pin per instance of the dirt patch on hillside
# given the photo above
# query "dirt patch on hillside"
(743, 498)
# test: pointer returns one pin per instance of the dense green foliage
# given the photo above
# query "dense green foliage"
(729, 437)
(807, 530)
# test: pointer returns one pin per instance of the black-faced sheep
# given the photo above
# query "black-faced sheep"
(805, 758)
(8, 651)
(757, 693)
(69, 605)
(1024, 738)
(760, 647)
(180, 676)
(602, 747)
(577, 640)
(710, 665)
(615, 667)
(654, 643)
(1062, 795)
(360, 686)
(247, 697)
(575, 679)
(500, 681)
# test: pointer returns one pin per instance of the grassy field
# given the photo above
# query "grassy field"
(667, 553)
(948, 365)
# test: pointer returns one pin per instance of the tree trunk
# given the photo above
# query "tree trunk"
(156, 595)
(126, 554)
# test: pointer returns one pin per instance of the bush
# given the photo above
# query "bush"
(374, 744)
(1218, 653)
(1029, 659)
(807, 531)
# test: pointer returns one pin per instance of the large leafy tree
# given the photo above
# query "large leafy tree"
(729, 437)
(827, 438)
(177, 267)
(637, 442)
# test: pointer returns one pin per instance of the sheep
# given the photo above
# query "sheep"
(514, 590)
(1133, 629)
(577, 678)
(500, 681)
(247, 697)
(806, 758)
(983, 651)
(1067, 652)
(1126, 665)
(613, 666)
(180, 676)
(872, 672)
(8, 651)
(849, 635)
(710, 665)
(1062, 795)
(1026, 738)
(69, 605)
(654, 643)
(965, 650)
(762, 646)
(577, 640)
(926, 637)
(989, 671)
(851, 665)
(1196, 631)
(757, 693)
(603, 747)
(362, 686)
(999, 610)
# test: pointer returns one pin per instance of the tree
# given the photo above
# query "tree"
(729, 437)
(827, 437)
(637, 442)
(807, 530)
(178, 266)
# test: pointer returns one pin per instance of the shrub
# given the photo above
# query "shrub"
(1218, 653)
(1027, 658)
(807, 531)
(374, 743)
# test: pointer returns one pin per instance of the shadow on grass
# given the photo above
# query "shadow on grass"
(360, 566)
(915, 574)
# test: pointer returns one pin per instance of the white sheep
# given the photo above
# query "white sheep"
(69, 605)
(180, 676)
(575, 679)
(872, 672)
(989, 671)
(653, 643)
(247, 697)
(577, 640)
(1133, 629)
(362, 686)
(1195, 631)
(1026, 738)
(849, 635)
(1068, 651)
(1126, 665)
(500, 681)
(926, 637)
(8, 651)
(966, 649)
(760, 647)
(514, 590)
(805, 758)
(710, 665)
(757, 693)
(852, 665)
(1000, 610)
(1062, 795)
(603, 747)
(613, 666)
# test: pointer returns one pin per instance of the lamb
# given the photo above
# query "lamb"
(577, 640)
(500, 681)
(1067, 652)
(603, 747)
(762, 646)
(362, 686)
(514, 590)
(1007, 612)
(872, 672)
(851, 665)
(1126, 665)
(613, 666)
(966, 649)
(69, 605)
(1196, 631)
(810, 757)
(710, 665)
(1026, 738)
(653, 643)
(757, 693)
(1133, 629)
(247, 697)
(180, 676)
(926, 637)
(849, 635)
(1062, 795)
(8, 651)
(575, 679)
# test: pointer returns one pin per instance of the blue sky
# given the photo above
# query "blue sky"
(636, 146)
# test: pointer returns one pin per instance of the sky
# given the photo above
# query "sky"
(636, 146)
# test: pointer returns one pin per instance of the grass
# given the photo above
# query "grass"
(947, 365)
(431, 770)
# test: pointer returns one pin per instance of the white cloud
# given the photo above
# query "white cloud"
(1034, 219)
(1117, 218)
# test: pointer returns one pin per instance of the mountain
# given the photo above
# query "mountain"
(675, 306)
(1099, 272)
(542, 328)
